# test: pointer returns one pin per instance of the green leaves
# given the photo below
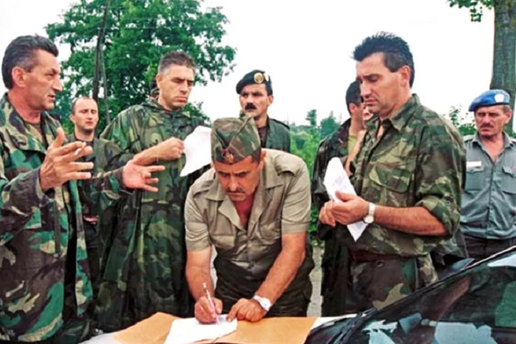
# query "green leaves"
(475, 7)
(137, 33)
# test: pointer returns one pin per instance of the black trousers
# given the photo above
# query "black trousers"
(480, 248)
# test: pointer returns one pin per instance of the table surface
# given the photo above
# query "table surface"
(108, 337)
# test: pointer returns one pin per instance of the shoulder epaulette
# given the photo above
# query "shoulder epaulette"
(468, 138)
(280, 122)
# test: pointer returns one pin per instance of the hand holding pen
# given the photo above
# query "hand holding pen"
(210, 301)
(207, 308)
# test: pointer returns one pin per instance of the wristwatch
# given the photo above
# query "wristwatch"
(264, 302)
(369, 218)
(428, 322)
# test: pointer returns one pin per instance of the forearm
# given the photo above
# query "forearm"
(196, 276)
(414, 220)
(147, 157)
(282, 273)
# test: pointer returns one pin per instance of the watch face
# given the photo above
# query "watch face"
(368, 219)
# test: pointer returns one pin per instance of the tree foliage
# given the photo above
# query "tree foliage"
(329, 125)
(137, 33)
(504, 50)
(464, 123)
(476, 7)
(311, 117)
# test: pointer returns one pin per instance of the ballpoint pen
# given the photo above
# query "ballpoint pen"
(210, 301)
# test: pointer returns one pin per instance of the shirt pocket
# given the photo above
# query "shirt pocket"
(224, 242)
(475, 178)
(270, 232)
(393, 177)
(223, 234)
(509, 179)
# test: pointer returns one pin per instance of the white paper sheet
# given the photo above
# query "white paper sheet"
(336, 179)
(185, 331)
(197, 150)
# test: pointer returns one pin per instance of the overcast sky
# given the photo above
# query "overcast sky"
(306, 46)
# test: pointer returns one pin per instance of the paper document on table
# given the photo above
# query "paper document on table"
(336, 179)
(197, 150)
(185, 331)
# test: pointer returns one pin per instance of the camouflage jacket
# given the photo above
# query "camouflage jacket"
(335, 145)
(419, 161)
(40, 234)
(143, 266)
(278, 136)
(106, 156)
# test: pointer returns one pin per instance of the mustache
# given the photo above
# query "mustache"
(238, 191)
(250, 106)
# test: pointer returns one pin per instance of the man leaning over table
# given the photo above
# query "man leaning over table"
(254, 207)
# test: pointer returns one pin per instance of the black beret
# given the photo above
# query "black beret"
(255, 77)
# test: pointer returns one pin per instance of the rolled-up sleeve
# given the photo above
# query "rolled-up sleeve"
(197, 237)
(440, 176)
(296, 208)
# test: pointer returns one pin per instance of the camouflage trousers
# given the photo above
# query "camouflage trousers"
(74, 331)
(379, 283)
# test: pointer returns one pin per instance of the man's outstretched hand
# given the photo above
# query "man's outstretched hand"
(60, 164)
(140, 177)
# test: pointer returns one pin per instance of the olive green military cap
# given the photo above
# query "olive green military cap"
(233, 139)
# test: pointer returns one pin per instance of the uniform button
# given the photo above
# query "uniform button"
(56, 255)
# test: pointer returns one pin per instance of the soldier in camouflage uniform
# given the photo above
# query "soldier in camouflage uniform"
(45, 285)
(408, 181)
(143, 266)
(335, 259)
(255, 95)
(85, 119)
(254, 207)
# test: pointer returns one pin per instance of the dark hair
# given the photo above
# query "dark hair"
(79, 98)
(396, 52)
(21, 53)
(353, 95)
(177, 58)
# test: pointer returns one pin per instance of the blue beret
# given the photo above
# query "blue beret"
(489, 98)
(255, 77)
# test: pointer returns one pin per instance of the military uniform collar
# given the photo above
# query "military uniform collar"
(400, 119)
(268, 179)
(15, 126)
(154, 104)
(73, 138)
(508, 141)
